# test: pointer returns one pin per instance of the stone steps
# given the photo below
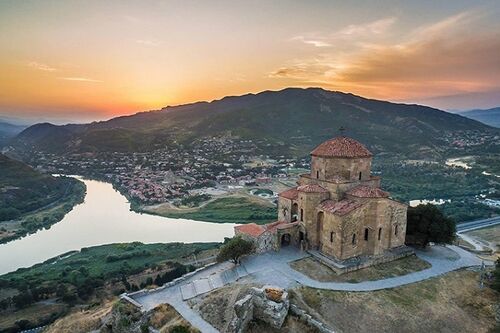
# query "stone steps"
(188, 291)
(214, 281)
(327, 260)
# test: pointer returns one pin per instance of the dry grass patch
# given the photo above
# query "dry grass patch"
(320, 272)
(491, 234)
(165, 317)
(33, 313)
(81, 321)
(450, 303)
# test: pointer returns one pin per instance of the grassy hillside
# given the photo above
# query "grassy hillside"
(295, 120)
(225, 210)
(23, 189)
(453, 302)
(40, 294)
(30, 200)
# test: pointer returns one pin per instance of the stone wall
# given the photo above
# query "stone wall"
(268, 304)
(284, 209)
(347, 168)
(307, 204)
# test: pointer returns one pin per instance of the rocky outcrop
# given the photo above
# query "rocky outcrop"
(268, 304)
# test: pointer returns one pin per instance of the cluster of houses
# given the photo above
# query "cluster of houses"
(173, 172)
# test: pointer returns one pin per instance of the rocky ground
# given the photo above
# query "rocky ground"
(122, 317)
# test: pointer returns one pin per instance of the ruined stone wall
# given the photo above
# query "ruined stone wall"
(348, 168)
(268, 304)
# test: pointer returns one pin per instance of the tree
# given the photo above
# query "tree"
(23, 300)
(179, 329)
(234, 249)
(496, 276)
(426, 223)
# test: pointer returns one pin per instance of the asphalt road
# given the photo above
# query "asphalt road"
(478, 224)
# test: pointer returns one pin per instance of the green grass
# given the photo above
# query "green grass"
(231, 210)
(105, 261)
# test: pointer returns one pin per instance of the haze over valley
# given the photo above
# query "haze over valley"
(285, 166)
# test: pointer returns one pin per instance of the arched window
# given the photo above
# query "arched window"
(379, 233)
(332, 234)
(360, 176)
(353, 239)
(317, 174)
(366, 234)
(396, 230)
(301, 214)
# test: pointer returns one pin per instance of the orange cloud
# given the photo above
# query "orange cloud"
(434, 60)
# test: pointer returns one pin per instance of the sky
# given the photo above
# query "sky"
(92, 60)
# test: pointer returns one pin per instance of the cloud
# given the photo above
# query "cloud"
(443, 58)
(348, 33)
(310, 40)
(79, 79)
(41, 67)
(149, 42)
(369, 29)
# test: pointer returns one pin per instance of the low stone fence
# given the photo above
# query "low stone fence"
(309, 320)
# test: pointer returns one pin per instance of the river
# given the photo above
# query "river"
(103, 218)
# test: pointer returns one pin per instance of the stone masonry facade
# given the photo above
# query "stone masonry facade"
(337, 209)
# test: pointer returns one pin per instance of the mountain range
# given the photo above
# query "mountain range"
(8, 131)
(293, 119)
(489, 116)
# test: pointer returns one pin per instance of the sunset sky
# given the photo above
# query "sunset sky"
(86, 60)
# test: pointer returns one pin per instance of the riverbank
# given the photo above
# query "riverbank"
(45, 217)
(231, 209)
(95, 275)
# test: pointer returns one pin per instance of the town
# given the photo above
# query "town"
(175, 172)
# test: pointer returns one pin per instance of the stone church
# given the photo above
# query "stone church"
(337, 210)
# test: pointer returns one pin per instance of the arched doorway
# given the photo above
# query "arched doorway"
(285, 240)
(295, 210)
(319, 229)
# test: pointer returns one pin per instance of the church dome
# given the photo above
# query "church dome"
(341, 146)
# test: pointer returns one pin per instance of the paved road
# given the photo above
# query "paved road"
(443, 260)
(273, 268)
(478, 224)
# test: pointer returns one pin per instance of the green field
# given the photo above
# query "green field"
(40, 294)
(105, 261)
(230, 210)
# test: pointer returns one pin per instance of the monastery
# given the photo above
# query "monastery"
(337, 210)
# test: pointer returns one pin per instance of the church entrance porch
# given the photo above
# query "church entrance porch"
(285, 240)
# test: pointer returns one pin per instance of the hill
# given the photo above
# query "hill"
(30, 200)
(489, 116)
(288, 122)
(8, 131)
